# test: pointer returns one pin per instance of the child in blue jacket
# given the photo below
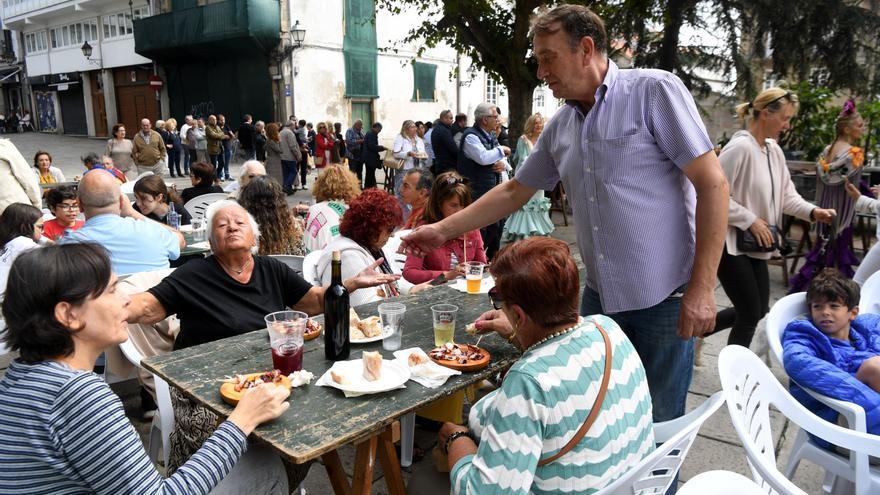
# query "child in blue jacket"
(837, 351)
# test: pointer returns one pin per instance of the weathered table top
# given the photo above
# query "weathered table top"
(189, 250)
(321, 419)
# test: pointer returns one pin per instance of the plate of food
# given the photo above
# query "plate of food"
(366, 330)
(368, 375)
(461, 357)
(313, 329)
(234, 388)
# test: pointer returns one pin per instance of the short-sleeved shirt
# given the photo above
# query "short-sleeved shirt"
(211, 305)
(621, 165)
(134, 245)
(53, 230)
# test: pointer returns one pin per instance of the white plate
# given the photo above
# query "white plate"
(487, 283)
(186, 228)
(393, 375)
(370, 339)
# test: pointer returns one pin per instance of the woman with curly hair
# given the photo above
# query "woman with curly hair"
(333, 189)
(367, 225)
(280, 233)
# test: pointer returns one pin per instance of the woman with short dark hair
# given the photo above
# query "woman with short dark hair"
(119, 149)
(525, 434)
(69, 429)
(201, 175)
(21, 228)
(153, 199)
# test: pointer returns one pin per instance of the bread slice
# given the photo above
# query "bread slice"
(338, 378)
(417, 358)
(372, 366)
(371, 327)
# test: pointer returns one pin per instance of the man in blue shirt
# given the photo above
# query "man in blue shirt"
(135, 243)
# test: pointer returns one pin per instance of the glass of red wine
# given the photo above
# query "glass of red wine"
(286, 330)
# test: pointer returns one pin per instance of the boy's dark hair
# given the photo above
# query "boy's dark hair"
(58, 195)
(831, 285)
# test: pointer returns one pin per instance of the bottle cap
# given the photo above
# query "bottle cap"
(336, 256)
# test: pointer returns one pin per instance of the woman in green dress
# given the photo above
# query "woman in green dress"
(534, 217)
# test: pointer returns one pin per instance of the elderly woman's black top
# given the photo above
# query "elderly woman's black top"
(211, 305)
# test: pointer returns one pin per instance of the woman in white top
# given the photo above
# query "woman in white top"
(334, 188)
(761, 191)
(46, 173)
(21, 228)
(410, 148)
(119, 149)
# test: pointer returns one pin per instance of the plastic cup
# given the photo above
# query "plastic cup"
(286, 330)
(198, 230)
(473, 271)
(444, 323)
(392, 316)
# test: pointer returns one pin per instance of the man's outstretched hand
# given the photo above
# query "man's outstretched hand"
(422, 240)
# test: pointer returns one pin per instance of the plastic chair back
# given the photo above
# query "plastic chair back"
(294, 262)
(657, 471)
(786, 309)
(720, 483)
(196, 207)
(310, 267)
(750, 389)
(395, 259)
(870, 299)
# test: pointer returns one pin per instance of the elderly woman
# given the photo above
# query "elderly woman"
(228, 294)
(46, 172)
(367, 225)
(410, 148)
(280, 232)
(69, 429)
(248, 171)
(333, 189)
(119, 149)
(541, 406)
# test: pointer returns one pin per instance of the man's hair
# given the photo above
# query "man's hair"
(91, 158)
(830, 285)
(247, 117)
(444, 113)
(576, 21)
(460, 117)
(484, 109)
(302, 123)
(376, 125)
(426, 179)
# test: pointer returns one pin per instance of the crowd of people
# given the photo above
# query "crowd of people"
(659, 216)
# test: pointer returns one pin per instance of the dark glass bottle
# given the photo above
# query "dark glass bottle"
(336, 307)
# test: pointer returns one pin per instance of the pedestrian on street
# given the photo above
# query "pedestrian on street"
(290, 156)
(354, 142)
(260, 140)
(148, 150)
(120, 150)
(444, 147)
(372, 160)
(651, 208)
(175, 148)
(339, 151)
(187, 123)
(303, 139)
(200, 141)
(274, 162)
(324, 142)
(227, 145)
(246, 137)
(216, 136)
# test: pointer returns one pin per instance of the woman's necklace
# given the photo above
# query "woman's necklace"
(240, 270)
(552, 335)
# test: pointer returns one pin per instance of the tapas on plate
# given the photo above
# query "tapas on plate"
(462, 357)
(313, 329)
(362, 331)
(234, 388)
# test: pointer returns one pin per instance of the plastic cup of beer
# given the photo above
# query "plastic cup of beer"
(473, 271)
(286, 330)
(444, 323)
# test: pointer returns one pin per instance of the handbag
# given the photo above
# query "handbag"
(319, 161)
(390, 161)
(597, 404)
(746, 242)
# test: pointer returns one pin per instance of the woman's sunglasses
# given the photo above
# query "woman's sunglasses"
(495, 297)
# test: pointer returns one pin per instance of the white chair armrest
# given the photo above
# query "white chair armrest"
(854, 413)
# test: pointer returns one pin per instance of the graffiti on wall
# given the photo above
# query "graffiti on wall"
(202, 109)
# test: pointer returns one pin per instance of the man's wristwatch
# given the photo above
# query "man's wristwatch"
(455, 436)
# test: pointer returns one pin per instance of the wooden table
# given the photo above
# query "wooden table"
(321, 419)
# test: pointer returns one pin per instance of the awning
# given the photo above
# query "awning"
(7, 73)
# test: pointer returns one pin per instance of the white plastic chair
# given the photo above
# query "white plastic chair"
(870, 300)
(310, 267)
(395, 259)
(785, 310)
(295, 262)
(720, 483)
(196, 207)
(750, 389)
(163, 422)
(657, 471)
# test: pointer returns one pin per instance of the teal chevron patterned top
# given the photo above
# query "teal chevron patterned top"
(543, 401)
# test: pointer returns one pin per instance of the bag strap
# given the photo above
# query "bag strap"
(597, 405)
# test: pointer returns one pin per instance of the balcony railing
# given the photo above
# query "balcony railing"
(15, 8)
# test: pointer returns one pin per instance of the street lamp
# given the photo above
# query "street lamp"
(297, 35)
(87, 52)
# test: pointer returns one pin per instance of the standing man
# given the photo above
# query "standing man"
(371, 151)
(354, 141)
(187, 123)
(148, 149)
(246, 133)
(648, 194)
(227, 146)
(458, 126)
(290, 156)
(215, 137)
(303, 141)
(482, 160)
(445, 149)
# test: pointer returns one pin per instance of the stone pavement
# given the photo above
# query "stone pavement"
(717, 446)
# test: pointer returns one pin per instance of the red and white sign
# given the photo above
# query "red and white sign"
(156, 82)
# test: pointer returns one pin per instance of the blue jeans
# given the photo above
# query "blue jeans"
(187, 159)
(227, 159)
(288, 170)
(668, 360)
(218, 163)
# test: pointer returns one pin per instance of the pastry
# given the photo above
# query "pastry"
(417, 358)
(371, 327)
(372, 366)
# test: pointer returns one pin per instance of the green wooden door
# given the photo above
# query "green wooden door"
(362, 110)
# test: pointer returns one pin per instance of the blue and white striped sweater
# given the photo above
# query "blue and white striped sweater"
(543, 401)
(65, 432)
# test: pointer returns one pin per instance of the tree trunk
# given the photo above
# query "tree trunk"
(673, 19)
(519, 101)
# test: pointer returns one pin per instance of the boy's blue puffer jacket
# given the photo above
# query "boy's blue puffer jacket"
(828, 366)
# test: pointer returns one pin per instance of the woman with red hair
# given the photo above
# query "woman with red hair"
(367, 225)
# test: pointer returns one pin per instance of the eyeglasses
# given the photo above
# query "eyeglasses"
(495, 297)
(67, 207)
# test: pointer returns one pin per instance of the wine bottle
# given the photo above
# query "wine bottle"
(336, 307)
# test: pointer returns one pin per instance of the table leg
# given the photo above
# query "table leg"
(338, 479)
(364, 460)
(390, 464)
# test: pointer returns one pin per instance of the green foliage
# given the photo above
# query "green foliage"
(813, 127)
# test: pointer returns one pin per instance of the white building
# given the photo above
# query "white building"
(69, 92)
